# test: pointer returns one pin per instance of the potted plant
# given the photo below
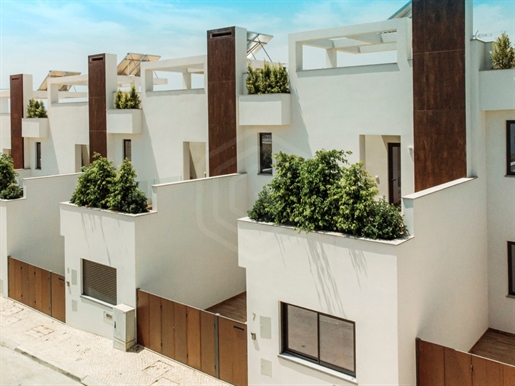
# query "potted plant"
(503, 54)
(35, 124)
(268, 102)
(126, 117)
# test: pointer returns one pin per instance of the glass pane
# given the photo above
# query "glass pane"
(512, 269)
(265, 153)
(337, 342)
(511, 149)
(302, 331)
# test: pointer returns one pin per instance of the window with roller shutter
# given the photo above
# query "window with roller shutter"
(99, 281)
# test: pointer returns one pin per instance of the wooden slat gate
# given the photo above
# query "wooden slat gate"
(207, 342)
(37, 288)
(442, 366)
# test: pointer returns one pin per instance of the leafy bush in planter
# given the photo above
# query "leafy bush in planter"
(271, 79)
(125, 195)
(127, 100)
(503, 54)
(36, 109)
(94, 184)
(8, 188)
(100, 186)
(324, 193)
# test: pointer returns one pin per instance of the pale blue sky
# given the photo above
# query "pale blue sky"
(38, 36)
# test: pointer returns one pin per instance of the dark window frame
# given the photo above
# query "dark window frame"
(264, 169)
(38, 155)
(511, 266)
(509, 151)
(129, 143)
(93, 291)
(309, 358)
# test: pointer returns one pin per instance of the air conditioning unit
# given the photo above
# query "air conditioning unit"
(124, 327)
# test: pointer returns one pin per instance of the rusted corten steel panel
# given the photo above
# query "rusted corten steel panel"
(221, 68)
(439, 91)
(17, 148)
(97, 105)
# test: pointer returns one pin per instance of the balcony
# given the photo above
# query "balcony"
(124, 121)
(265, 110)
(34, 127)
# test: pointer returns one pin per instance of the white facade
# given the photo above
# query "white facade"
(446, 283)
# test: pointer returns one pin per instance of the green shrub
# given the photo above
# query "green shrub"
(324, 193)
(125, 195)
(127, 100)
(385, 222)
(94, 184)
(12, 192)
(503, 54)
(271, 79)
(8, 188)
(36, 109)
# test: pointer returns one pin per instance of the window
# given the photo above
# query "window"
(38, 155)
(99, 281)
(510, 148)
(511, 268)
(127, 149)
(265, 153)
(319, 338)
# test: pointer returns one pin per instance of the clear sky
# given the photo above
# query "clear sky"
(38, 36)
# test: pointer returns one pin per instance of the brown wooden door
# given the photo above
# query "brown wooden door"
(15, 274)
(167, 328)
(430, 364)
(508, 375)
(193, 337)
(207, 343)
(486, 372)
(143, 318)
(458, 370)
(42, 288)
(154, 319)
(232, 349)
(181, 333)
(58, 297)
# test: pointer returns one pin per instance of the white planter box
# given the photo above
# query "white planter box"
(124, 121)
(265, 110)
(34, 127)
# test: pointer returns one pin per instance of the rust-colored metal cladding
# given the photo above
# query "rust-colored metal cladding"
(221, 68)
(97, 105)
(439, 92)
(17, 148)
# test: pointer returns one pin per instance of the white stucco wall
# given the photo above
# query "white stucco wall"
(5, 131)
(185, 250)
(106, 238)
(332, 107)
(342, 276)
(29, 227)
(189, 252)
(500, 220)
(442, 271)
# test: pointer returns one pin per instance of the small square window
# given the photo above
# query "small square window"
(511, 268)
(265, 153)
(99, 281)
(510, 148)
(323, 339)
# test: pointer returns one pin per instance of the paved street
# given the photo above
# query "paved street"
(84, 357)
(18, 369)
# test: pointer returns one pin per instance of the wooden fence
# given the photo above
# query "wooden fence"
(442, 366)
(207, 342)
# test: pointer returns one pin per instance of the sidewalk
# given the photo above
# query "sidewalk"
(85, 357)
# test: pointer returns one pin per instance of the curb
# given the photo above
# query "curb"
(58, 369)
